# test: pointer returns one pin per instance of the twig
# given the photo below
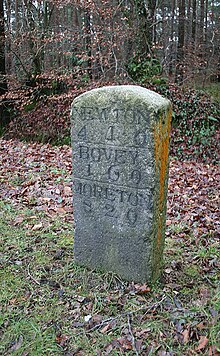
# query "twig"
(116, 61)
(31, 277)
(132, 336)
(208, 280)
(97, 326)
(21, 63)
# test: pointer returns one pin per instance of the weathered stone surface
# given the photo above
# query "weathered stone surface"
(120, 140)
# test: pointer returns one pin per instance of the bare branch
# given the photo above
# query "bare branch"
(132, 336)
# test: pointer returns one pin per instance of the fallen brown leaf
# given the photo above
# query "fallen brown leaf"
(185, 334)
(125, 343)
(67, 191)
(142, 289)
(106, 328)
(61, 339)
(37, 227)
(203, 341)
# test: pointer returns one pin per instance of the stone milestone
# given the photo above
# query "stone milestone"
(120, 140)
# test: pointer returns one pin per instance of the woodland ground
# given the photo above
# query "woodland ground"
(50, 306)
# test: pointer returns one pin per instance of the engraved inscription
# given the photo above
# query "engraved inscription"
(140, 138)
(113, 173)
(110, 134)
(109, 114)
(110, 211)
(100, 191)
(132, 216)
(112, 201)
(87, 204)
(114, 164)
(107, 154)
(102, 159)
(82, 134)
(136, 176)
(88, 171)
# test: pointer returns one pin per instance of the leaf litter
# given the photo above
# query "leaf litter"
(100, 314)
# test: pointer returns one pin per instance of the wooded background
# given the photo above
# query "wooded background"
(97, 39)
(52, 51)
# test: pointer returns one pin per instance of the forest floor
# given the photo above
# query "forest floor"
(50, 306)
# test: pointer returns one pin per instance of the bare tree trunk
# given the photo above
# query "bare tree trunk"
(3, 83)
(36, 61)
(189, 24)
(9, 37)
(163, 36)
(206, 20)
(194, 19)
(172, 49)
(144, 13)
(17, 18)
(152, 24)
(4, 116)
(180, 48)
(88, 44)
(201, 22)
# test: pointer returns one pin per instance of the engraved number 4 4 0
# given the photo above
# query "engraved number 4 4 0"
(82, 134)
(109, 136)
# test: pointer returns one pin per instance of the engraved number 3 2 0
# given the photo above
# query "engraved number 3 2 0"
(130, 215)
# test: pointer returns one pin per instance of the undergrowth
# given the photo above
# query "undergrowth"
(45, 118)
(51, 306)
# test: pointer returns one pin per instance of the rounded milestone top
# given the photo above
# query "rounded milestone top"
(124, 93)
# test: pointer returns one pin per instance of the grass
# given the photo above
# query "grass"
(51, 306)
